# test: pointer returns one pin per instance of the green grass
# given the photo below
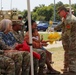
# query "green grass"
(57, 53)
(45, 36)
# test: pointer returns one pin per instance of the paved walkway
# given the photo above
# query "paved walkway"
(54, 45)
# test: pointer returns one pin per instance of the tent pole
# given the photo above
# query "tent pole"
(30, 35)
(70, 6)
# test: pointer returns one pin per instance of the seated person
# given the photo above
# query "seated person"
(41, 52)
(9, 68)
(38, 46)
(8, 43)
(36, 39)
(17, 33)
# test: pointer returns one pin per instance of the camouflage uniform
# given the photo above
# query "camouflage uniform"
(71, 20)
(69, 41)
(25, 54)
(15, 55)
(19, 58)
(22, 61)
(18, 36)
(25, 63)
(7, 66)
(42, 60)
(65, 43)
(19, 39)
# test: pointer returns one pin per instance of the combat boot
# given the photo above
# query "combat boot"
(41, 71)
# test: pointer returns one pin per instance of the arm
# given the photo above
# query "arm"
(58, 27)
(3, 46)
(35, 44)
(42, 42)
(36, 40)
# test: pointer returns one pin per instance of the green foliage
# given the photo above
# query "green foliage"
(25, 14)
(45, 36)
(46, 13)
(59, 4)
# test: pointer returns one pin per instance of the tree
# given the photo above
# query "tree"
(42, 12)
(59, 4)
(25, 14)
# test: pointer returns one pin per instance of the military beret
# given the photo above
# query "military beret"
(62, 8)
(17, 22)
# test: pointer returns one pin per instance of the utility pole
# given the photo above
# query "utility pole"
(11, 5)
(54, 12)
(1, 5)
(11, 9)
(70, 6)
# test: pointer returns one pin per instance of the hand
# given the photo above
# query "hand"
(16, 44)
(10, 51)
(51, 30)
(44, 41)
(44, 44)
(41, 37)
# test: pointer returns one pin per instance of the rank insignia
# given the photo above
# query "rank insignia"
(68, 26)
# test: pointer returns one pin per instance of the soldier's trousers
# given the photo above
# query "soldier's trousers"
(35, 65)
(42, 60)
(66, 56)
(7, 66)
(72, 60)
(25, 63)
(65, 42)
(22, 61)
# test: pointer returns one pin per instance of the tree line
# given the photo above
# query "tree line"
(46, 13)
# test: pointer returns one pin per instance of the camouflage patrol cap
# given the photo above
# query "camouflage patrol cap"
(72, 10)
(62, 8)
(17, 22)
(20, 16)
(68, 8)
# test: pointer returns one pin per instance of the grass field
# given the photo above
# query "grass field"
(45, 36)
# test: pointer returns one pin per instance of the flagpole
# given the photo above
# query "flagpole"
(54, 12)
(1, 5)
(30, 37)
(70, 6)
(11, 5)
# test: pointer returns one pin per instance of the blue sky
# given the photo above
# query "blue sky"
(22, 4)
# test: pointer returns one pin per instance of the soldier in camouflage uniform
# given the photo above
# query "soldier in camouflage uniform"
(65, 43)
(17, 26)
(7, 65)
(68, 37)
(7, 41)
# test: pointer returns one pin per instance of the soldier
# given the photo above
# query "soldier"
(8, 43)
(68, 38)
(17, 26)
(20, 17)
(7, 66)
